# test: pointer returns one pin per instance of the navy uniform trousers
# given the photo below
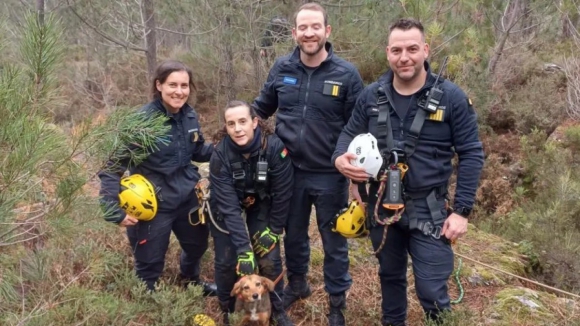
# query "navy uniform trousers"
(150, 240)
(432, 261)
(328, 192)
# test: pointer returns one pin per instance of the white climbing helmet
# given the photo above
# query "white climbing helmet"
(368, 156)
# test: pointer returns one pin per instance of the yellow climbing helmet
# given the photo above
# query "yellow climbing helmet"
(350, 221)
(137, 197)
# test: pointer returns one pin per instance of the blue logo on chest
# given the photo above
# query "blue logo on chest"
(290, 80)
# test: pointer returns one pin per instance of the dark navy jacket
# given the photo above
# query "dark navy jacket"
(169, 168)
(430, 166)
(312, 110)
(225, 199)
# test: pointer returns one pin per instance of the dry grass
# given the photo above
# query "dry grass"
(364, 300)
(488, 295)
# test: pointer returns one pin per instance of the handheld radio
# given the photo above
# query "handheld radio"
(435, 93)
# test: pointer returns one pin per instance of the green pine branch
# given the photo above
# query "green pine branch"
(41, 53)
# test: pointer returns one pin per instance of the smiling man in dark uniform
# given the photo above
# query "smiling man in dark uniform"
(313, 92)
(425, 133)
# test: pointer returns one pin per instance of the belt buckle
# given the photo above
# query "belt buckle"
(239, 175)
(436, 232)
(427, 228)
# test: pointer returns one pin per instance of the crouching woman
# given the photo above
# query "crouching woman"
(251, 184)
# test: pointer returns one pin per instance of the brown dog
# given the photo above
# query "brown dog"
(252, 294)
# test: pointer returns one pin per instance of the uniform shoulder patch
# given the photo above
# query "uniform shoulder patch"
(284, 153)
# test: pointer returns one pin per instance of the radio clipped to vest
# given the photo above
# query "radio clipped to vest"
(247, 196)
(261, 171)
(434, 95)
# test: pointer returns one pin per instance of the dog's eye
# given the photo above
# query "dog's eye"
(258, 284)
(246, 287)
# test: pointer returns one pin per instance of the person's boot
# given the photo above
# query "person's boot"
(208, 289)
(280, 318)
(296, 289)
(337, 304)
(226, 308)
(386, 322)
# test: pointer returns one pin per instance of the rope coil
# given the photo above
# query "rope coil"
(387, 221)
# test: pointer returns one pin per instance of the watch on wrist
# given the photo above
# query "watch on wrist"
(463, 211)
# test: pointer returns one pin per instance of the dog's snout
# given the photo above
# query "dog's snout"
(255, 296)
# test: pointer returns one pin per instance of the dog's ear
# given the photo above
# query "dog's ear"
(267, 284)
(238, 287)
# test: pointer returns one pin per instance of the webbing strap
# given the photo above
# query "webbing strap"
(239, 172)
(385, 130)
(411, 213)
(436, 213)
(384, 127)
(437, 217)
(413, 134)
(362, 190)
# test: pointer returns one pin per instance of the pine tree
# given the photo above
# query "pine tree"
(43, 170)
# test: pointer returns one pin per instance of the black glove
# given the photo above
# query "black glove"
(246, 263)
(265, 241)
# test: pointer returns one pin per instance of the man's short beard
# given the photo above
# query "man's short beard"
(320, 47)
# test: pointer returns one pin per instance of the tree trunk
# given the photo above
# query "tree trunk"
(508, 20)
(148, 16)
(230, 74)
(570, 17)
(498, 52)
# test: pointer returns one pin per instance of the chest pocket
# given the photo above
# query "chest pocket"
(192, 136)
(288, 90)
(436, 126)
(328, 100)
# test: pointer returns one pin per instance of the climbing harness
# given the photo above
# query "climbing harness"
(203, 194)
(259, 173)
(395, 155)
